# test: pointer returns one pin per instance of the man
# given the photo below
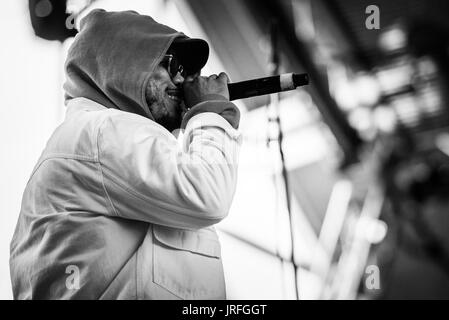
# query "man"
(116, 208)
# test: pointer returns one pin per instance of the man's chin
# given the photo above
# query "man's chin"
(172, 117)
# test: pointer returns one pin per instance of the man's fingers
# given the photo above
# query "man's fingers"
(193, 76)
(224, 76)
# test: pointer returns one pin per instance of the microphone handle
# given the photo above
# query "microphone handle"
(267, 85)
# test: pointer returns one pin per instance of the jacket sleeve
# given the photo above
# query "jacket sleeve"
(150, 176)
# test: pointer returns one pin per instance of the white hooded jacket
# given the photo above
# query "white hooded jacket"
(117, 208)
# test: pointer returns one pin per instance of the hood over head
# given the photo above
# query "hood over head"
(114, 54)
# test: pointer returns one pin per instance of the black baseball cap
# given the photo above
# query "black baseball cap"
(192, 53)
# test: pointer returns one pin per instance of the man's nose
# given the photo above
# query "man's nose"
(178, 79)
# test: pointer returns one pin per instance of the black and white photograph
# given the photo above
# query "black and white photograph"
(242, 151)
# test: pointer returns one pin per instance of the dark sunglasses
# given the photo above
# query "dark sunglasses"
(171, 63)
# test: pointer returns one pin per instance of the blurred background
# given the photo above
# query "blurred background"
(343, 184)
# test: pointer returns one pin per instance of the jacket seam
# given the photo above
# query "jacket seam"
(114, 210)
(70, 156)
(67, 156)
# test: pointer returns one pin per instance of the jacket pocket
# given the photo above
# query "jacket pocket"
(188, 263)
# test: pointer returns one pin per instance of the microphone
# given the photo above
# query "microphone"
(267, 85)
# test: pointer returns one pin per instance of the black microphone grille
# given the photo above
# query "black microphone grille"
(300, 79)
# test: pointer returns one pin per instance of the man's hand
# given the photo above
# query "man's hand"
(215, 89)
(201, 89)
